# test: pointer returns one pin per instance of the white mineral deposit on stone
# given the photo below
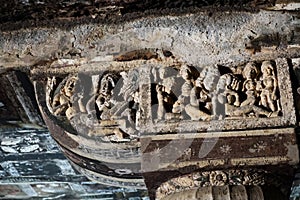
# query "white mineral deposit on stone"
(8, 149)
(33, 139)
(65, 167)
(102, 58)
(24, 130)
(123, 171)
(286, 6)
(30, 148)
(10, 141)
(29, 126)
(25, 2)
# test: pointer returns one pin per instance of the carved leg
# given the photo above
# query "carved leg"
(271, 103)
(160, 111)
(264, 100)
(195, 113)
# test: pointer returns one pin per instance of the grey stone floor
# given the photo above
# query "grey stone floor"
(33, 167)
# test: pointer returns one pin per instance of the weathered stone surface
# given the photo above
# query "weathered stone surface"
(84, 87)
(42, 13)
(239, 184)
(214, 150)
(8, 149)
(245, 38)
(99, 159)
(219, 193)
(174, 135)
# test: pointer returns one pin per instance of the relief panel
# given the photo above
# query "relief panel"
(250, 95)
(100, 104)
(156, 93)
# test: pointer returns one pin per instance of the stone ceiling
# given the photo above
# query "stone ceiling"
(23, 13)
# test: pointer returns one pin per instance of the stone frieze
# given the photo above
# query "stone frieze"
(156, 93)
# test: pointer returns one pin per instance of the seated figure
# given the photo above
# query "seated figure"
(166, 98)
(62, 101)
(200, 106)
(188, 74)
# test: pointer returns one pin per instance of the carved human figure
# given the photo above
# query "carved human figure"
(268, 88)
(250, 73)
(103, 98)
(227, 87)
(79, 98)
(165, 96)
(62, 101)
(228, 95)
(91, 104)
(127, 102)
(244, 111)
(187, 75)
(200, 107)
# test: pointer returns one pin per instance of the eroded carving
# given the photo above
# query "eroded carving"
(105, 97)
(211, 178)
(268, 83)
(62, 104)
(200, 106)
(126, 102)
(166, 98)
(105, 104)
(110, 102)
(218, 92)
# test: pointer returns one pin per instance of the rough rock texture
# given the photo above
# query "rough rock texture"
(221, 37)
(32, 12)
(109, 48)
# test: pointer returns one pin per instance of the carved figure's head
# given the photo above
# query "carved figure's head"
(107, 84)
(169, 84)
(165, 72)
(225, 80)
(250, 71)
(69, 87)
(231, 99)
(209, 77)
(185, 72)
(267, 68)
(162, 72)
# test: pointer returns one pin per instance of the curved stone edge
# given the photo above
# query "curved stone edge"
(107, 180)
(118, 170)
(74, 142)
